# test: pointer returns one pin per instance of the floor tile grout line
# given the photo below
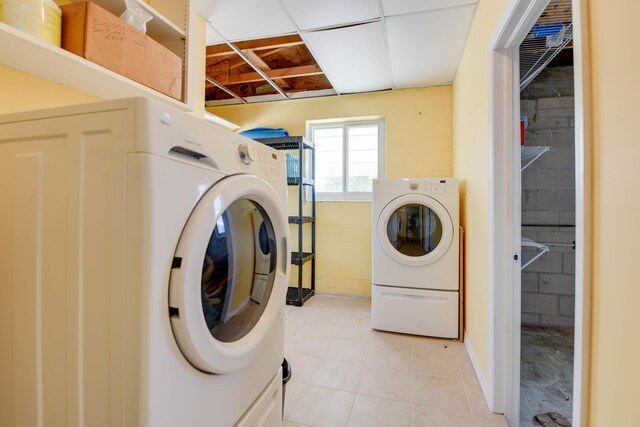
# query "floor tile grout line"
(294, 402)
(355, 396)
(384, 397)
(326, 387)
(466, 392)
(468, 385)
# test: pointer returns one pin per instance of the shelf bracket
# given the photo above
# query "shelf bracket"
(543, 249)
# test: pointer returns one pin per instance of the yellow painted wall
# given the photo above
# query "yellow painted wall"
(23, 92)
(616, 205)
(471, 165)
(616, 155)
(418, 144)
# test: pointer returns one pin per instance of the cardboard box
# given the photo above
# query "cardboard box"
(101, 37)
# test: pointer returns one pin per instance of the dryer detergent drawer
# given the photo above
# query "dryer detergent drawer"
(266, 411)
(415, 311)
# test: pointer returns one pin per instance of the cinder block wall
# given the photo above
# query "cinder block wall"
(548, 199)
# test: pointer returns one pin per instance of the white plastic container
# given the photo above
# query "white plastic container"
(42, 18)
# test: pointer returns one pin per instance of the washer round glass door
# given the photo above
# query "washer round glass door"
(415, 229)
(226, 287)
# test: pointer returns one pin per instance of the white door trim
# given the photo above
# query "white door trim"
(504, 210)
(582, 330)
(504, 218)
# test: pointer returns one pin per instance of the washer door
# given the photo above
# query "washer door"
(415, 230)
(229, 278)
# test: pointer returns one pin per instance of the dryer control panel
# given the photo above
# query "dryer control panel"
(426, 186)
(440, 186)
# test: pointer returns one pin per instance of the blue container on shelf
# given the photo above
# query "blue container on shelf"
(293, 165)
(545, 30)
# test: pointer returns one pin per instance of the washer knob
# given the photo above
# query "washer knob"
(413, 185)
(247, 153)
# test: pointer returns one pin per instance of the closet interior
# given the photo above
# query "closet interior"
(547, 216)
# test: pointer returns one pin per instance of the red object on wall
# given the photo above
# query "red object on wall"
(521, 132)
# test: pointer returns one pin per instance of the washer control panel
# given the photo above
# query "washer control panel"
(260, 160)
(270, 164)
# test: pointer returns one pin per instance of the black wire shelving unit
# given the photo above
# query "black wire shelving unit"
(298, 295)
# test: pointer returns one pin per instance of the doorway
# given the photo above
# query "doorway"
(505, 238)
(547, 217)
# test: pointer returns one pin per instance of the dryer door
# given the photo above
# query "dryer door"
(230, 274)
(415, 230)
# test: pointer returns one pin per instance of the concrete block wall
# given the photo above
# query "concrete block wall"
(548, 284)
(548, 199)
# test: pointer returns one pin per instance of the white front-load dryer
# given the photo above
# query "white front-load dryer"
(145, 263)
(415, 256)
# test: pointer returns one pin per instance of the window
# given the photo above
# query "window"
(349, 155)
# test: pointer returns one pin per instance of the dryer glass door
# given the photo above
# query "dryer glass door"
(415, 229)
(229, 278)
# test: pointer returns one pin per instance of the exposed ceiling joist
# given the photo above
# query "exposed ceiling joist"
(257, 68)
(220, 73)
(256, 60)
(262, 44)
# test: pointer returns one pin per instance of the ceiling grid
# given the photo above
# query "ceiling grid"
(355, 46)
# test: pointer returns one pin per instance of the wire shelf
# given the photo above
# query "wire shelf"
(529, 155)
(287, 143)
(552, 33)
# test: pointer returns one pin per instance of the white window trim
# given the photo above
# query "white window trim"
(350, 196)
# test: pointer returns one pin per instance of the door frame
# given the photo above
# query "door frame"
(504, 209)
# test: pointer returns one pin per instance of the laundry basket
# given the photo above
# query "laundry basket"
(293, 165)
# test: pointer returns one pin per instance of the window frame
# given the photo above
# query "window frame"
(345, 194)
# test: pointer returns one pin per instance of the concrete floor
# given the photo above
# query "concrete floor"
(546, 376)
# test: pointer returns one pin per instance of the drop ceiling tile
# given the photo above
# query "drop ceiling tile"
(250, 19)
(425, 48)
(399, 7)
(354, 59)
(312, 14)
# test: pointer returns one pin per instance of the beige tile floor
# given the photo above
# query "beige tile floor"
(346, 374)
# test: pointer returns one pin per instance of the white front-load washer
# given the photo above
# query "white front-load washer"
(415, 256)
(144, 266)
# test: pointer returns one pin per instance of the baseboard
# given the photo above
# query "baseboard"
(476, 367)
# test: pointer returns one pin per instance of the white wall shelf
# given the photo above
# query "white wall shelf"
(159, 28)
(37, 57)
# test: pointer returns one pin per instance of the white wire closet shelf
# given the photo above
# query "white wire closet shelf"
(552, 33)
(528, 243)
(529, 155)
